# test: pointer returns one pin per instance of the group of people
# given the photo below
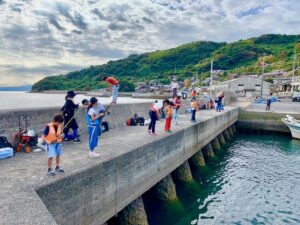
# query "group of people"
(59, 129)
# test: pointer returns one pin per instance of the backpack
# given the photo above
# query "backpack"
(131, 122)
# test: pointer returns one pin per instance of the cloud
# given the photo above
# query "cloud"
(42, 38)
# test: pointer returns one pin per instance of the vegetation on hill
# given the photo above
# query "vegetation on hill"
(241, 57)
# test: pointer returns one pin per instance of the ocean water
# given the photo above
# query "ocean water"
(256, 181)
(22, 100)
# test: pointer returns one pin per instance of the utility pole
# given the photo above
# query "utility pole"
(262, 76)
(211, 78)
(294, 60)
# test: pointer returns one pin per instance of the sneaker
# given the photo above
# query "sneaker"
(93, 155)
(51, 172)
(59, 169)
(67, 139)
(149, 131)
(155, 134)
(77, 140)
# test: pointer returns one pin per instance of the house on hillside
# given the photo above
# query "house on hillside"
(283, 84)
(246, 86)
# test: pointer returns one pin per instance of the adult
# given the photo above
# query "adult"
(206, 100)
(219, 100)
(269, 101)
(194, 94)
(174, 86)
(114, 86)
(68, 111)
(177, 102)
(154, 114)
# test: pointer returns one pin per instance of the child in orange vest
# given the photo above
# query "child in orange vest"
(53, 137)
(169, 115)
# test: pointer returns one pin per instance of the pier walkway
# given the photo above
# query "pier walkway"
(25, 187)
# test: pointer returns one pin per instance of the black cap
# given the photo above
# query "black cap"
(71, 94)
(93, 100)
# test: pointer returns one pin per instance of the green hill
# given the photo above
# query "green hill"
(238, 57)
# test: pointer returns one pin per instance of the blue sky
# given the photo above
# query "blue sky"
(41, 37)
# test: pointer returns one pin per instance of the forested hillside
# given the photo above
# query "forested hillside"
(238, 57)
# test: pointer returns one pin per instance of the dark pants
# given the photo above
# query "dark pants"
(174, 92)
(193, 115)
(153, 118)
(71, 125)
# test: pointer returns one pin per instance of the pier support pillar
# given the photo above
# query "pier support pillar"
(165, 189)
(183, 173)
(227, 135)
(233, 128)
(133, 214)
(208, 151)
(216, 145)
(221, 139)
(230, 131)
(198, 159)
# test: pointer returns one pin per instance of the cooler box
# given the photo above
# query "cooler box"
(6, 153)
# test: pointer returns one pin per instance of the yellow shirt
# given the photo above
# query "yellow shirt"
(169, 111)
(194, 105)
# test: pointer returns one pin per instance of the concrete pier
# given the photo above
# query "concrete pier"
(221, 139)
(198, 159)
(227, 135)
(165, 190)
(133, 214)
(209, 152)
(183, 173)
(91, 191)
(216, 145)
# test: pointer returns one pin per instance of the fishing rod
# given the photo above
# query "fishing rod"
(72, 118)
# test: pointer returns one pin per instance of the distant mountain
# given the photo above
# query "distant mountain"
(240, 57)
(17, 88)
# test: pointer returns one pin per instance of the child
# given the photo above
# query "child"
(92, 117)
(169, 115)
(177, 103)
(68, 111)
(53, 137)
(113, 86)
(194, 106)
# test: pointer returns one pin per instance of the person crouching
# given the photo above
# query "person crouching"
(92, 117)
(53, 137)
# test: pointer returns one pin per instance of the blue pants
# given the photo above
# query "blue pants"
(176, 115)
(93, 136)
(53, 150)
(153, 118)
(219, 105)
(115, 93)
(193, 115)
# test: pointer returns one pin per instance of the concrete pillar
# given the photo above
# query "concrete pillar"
(234, 128)
(133, 214)
(227, 135)
(208, 151)
(165, 189)
(198, 159)
(230, 131)
(216, 145)
(221, 139)
(183, 173)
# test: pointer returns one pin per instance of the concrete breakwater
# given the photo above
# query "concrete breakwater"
(93, 191)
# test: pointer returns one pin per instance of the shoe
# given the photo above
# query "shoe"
(93, 155)
(76, 140)
(59, 169)
(51, 172)
(67, 139)
(155, 134)
(149, 131)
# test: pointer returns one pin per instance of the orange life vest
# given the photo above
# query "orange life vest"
(53, 136)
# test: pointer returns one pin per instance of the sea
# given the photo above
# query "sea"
(22, 100)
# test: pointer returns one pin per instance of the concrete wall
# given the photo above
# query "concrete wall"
(95, 194)
(262, 121)
(38, 118)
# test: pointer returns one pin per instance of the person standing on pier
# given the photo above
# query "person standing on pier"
(269, 101)
(174, 86)
(177, 103)
(194, 106)
(68, 111)
(219, 100)
(169, 115)
(155, 114)
(53, 137)
(194, 94)
(114, 86)
(92, 117)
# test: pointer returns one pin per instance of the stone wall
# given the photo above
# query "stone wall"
(95, 194)
(38, 118)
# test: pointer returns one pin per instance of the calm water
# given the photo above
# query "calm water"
(257, 181)
(21, 100)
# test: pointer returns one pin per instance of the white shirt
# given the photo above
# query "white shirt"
(174, 85)
(92, 111)
(157, 106)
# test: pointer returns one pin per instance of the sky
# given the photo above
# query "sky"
(41, 38)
